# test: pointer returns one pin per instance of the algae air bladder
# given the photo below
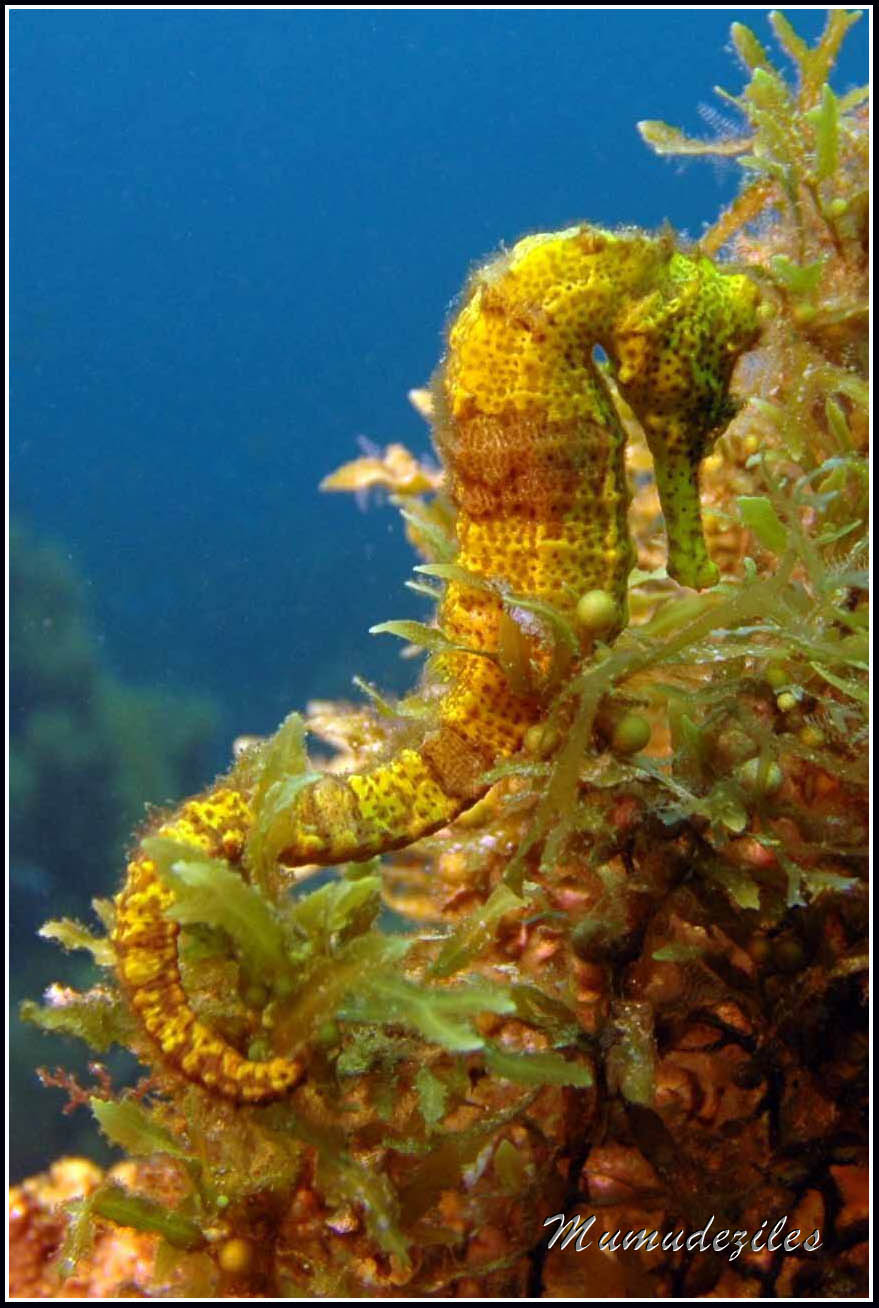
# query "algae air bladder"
(532, 448)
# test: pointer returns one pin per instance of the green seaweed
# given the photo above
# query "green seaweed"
(126, 1209)
(134, 1128)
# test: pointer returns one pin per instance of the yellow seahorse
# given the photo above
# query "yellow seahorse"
(533, 452)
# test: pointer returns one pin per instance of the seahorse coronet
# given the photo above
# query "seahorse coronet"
(532, 447)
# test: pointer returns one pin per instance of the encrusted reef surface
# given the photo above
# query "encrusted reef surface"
(596, 942)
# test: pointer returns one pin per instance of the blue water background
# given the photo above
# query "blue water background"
(235, 239)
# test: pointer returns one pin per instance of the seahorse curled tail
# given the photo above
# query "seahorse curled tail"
(214, 825)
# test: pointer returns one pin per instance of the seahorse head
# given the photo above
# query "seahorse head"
(676, 347)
